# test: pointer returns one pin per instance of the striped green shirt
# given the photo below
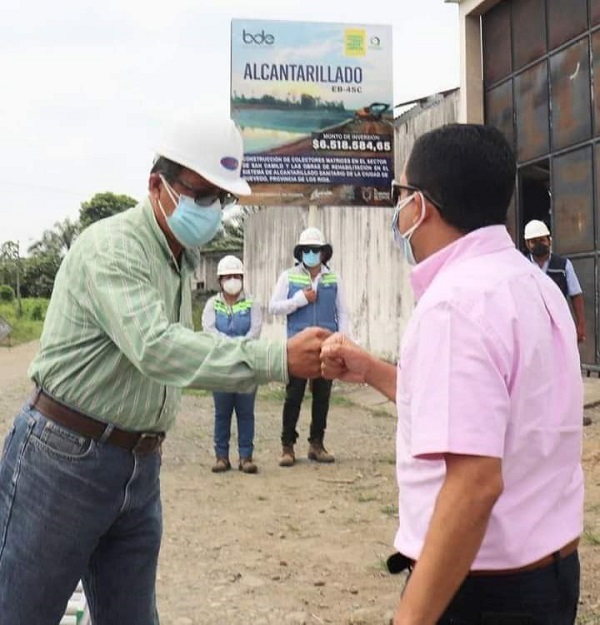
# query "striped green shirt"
(118, 342)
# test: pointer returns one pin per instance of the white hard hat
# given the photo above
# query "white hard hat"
(536, 228)
(311, 236)
(209, 144)
(230, 265)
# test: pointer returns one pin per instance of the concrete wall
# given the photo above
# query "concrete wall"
(372, 269)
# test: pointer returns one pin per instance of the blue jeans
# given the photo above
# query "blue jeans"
(243, 404)
(72, 508)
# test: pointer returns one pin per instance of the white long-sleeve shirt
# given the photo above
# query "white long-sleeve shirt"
(280, 304)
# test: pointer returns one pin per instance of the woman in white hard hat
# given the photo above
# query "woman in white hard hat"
(309, 294)
(233, 314)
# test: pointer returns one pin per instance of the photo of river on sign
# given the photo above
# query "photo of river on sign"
(313, 102)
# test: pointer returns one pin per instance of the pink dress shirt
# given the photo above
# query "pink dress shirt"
(489, 366)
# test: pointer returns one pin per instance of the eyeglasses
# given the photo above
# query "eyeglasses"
(397, 189)
(315, 249)
(206, 197)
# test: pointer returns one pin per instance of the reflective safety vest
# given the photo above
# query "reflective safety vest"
(323, 312)
(233, 320)
(557, 270)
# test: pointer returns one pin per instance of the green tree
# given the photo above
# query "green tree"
(11, 256)
(39, 272)
(103, 205)
(231, 234)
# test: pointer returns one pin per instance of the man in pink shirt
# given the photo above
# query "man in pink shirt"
(489, 397)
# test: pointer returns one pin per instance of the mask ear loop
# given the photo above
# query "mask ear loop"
(172, 193)
(408, 234)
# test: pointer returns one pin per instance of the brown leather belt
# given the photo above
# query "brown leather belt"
(138, 442)
(563, 552)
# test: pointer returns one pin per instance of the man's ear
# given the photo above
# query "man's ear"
(154, 183)
(430, 209)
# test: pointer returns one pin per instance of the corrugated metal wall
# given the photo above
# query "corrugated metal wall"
(373, 271)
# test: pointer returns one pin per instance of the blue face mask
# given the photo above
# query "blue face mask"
(403, 239)
(192, 225)
(311, 259)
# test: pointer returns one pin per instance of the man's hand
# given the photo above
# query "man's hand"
(580, 334)
(310, 294)
(304, 352)
(344, 360)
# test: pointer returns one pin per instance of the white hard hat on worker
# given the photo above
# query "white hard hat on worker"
(536, 228)
(312, 241)
(196, 173)
(230, 272)
(230, 266)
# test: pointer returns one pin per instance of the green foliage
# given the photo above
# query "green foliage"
(29, 326)
(39, 271)
(197, 308)
(58, 241)
(6, 293)
(103, 205)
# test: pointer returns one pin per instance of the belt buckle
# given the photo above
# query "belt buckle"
(144, 443)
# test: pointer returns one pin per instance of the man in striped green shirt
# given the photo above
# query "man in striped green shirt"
(79, 476)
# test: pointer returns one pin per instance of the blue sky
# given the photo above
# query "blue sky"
(86, 85)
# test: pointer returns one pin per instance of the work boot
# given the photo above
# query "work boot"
(247, 466)
(288, 457)
(318, 453)
(221, 465)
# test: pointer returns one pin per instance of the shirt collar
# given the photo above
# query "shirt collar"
(477, 243)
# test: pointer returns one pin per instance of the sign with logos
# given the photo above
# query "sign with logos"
(314, 104)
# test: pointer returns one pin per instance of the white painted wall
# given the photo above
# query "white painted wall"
(372, 269)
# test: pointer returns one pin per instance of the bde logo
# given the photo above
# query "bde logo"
(259, 39)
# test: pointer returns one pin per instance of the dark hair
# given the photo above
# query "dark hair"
(468, 170)
(169, 169)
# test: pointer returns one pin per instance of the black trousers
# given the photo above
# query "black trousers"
(546, 596)
(294, 393)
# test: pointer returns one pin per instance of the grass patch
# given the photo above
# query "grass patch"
(276, 392)
(197, 392)
(27, 327)
(381, 564)
(591, 538)
(390, 510)
(362, 498)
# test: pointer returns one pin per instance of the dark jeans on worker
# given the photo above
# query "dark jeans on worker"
(72, 508)
(294, 393)
(546, 596)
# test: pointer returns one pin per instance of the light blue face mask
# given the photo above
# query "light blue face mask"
(402, 240)
(192, 225)
(311, 259)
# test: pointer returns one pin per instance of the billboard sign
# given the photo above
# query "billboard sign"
(314, 103)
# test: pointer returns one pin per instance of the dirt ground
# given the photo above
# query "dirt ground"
(304, 545)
